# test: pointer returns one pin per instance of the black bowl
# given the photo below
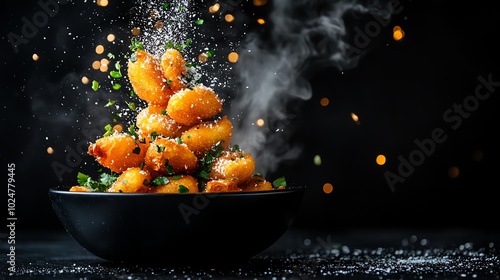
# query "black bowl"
(176, 228)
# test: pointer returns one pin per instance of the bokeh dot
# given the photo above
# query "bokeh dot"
(99, 49)
(453, 172)
(233, 57)
(381, 160)
(327, 188)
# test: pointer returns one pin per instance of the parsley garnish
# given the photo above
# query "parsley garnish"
(109, 130)
(131, 106)
(95, 85)
(131, 132)
(280, 182)
(160, 148)
(105, 181)
(136, 45)
(169, 168)
(160, 181)
(116, 73)
(183, 189)
(210, 53)
(110, 103)
(116, 86)
(154, 135)
(207, 161)
(179, 47)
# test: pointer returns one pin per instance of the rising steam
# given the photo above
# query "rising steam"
(273, 70)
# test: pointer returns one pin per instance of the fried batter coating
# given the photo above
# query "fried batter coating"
(238, 166)
(118, 151)
(132, 180)
(222, 185)
(147, 80)
(169, 157)
(201, 138)
(174, 69)
(178, 184)
(154, 119)
(192, 106)
(256, 183)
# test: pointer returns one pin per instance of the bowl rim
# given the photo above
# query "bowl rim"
(65, 191)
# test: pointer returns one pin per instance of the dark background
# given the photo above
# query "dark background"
(400, 91)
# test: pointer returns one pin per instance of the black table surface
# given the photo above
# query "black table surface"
(449, 253)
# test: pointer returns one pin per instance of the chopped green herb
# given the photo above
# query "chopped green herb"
(280, 182)
(179, 47)
(210, 53)
(165, 6)
(202, 174)
(160, 148)
(154, 135)
(111, 56)
(136, 45)
(110, 103)
(131, 132)
(117, 86)
(95, 85)
(176, 177)
(170, 169)
(199, 21)
(183, 189)
(206, 162)
(82, 178)
(109, 130)
(160, 181)
(105, 181)
(131, 106)
(235, 148)
(108, 179)
(115, 74)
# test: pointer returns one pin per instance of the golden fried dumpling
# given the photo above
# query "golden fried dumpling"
(202, 137)
(222, 185)
(118, 151)
(192, 106)
(147, 80)
(168, 156)
(174, 69)
(256, 183)
(177, 184)
(154, 120)
(132, 180)
(238, 166)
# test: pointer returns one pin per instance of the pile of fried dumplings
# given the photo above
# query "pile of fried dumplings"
(181, 141)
